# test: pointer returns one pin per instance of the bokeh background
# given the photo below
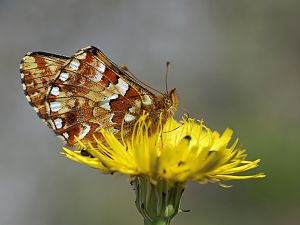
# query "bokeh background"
(235, 63)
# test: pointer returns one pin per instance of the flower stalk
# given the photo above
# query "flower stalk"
(158, 203)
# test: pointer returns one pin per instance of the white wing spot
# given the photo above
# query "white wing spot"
(101, 68)
(85, 131)
(106, 106)
(111, 116)
(58, 123)
(136, 107)
(147, 100)
(24, 86)
(66, 135)
(28, 98)
(55, 106)
(36, 109)
(98, 76)
(64, 76)
(106, 103)
(55, 91)
(122, 86)
(128, 117)
(74, 64)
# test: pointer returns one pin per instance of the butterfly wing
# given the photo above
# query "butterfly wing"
(38, 70)
(84, 94)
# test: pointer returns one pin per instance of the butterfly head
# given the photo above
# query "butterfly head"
(171, 102)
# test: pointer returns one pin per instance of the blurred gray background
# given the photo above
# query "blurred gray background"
(235, 64)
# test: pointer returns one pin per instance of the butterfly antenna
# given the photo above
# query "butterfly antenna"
(168, 65)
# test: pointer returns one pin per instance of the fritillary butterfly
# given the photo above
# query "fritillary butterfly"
(78, 96)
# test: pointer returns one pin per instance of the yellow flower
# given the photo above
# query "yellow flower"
(161, 158)
(175, 152)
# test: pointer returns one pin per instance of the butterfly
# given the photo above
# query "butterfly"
(78, 96)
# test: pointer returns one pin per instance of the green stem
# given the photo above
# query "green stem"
(157, 222)
(157, 201)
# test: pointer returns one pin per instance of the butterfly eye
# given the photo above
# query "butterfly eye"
(167, 102)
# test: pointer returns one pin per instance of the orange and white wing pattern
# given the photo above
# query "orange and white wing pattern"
(78, 96)
(38, 71)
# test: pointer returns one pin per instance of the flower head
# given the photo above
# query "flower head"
(174, 152)
(161, 157)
